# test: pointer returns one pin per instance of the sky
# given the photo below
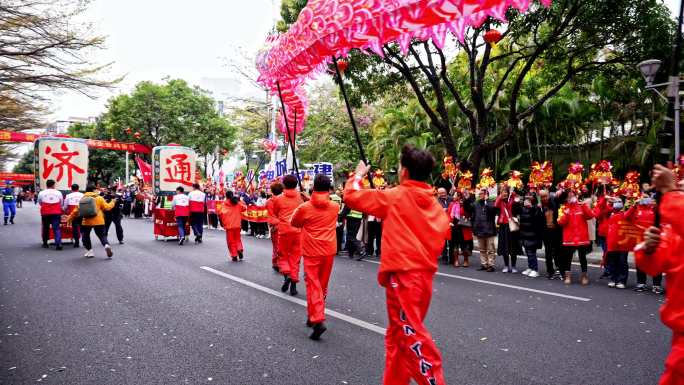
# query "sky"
(153, 39)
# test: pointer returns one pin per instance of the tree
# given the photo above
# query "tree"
(25, 164)
(103, 165)
(166, 113)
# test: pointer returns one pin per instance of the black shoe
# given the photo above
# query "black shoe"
(482, 268)
(235, 259)
(45, 246)
(293, 288)
(491, 269)
(276, 269)
(76, 246)
(318, 330)
(5, 223)
(242, 256)
(286, 284)
(58, 248)
(180, 241)
(362, 257)
(12, 221)
(199, 239)
(309, 323)
(121, 242)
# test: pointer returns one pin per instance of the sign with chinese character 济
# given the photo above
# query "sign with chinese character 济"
(64, 160)
(173, 166)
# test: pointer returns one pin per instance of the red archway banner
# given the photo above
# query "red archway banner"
(16, 177)
(9, 136)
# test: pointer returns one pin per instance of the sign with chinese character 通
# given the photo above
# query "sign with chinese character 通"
(64, 160)
(173, 166)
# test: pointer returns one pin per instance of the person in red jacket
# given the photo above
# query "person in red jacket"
(663, 252)
(415, 229)
(181, 208)
(573, 218)
(616, 247)
(289, 238)
(231, 218)
(276, 190)
(318, 220)
(642, 215)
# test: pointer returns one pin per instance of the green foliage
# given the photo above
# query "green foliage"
(166, 113)
(25, 164)
(289, 10)
(104, 166)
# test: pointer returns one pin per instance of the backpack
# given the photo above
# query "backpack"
(87, 207)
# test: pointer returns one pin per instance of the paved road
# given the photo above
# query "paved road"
(158, 313)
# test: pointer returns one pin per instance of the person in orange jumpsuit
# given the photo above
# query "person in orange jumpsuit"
(318, 220)
(231, 217)
(415, 229)
(276, 190)
(663, 252)
(289, 238)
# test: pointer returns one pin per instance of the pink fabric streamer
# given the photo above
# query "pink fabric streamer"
(327, 28)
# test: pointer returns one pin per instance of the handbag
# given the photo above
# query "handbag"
(463, 222)
(513, 222)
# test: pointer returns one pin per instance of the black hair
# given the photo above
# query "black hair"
(262, 194)
(276, 188)
(180, 189)
(290, 181)
(90, 188)
(231, 197)
(74, 187)
(419, 163)
(195, 186)
(50, 183)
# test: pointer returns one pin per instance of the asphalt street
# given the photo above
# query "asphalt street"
(158, 313)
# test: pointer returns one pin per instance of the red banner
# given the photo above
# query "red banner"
(9, 136)
(16, 177)
(145, 170)
(255, 213)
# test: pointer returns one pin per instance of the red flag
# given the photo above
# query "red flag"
(145, 170)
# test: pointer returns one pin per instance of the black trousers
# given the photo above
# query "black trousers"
(99, 232)
(339, 233)
(553, 239)
(618, 267)
(116, 219)
(353, 245)
(76, 230)
(213, 220)
(568, 253)
(641, 278)
(197, 223)
(374, 238)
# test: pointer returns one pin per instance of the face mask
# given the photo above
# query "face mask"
(618, 206)
(646, 201)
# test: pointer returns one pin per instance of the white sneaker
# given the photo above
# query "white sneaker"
(527, 271)
(620, 285)
(89, 254)
(611, 284)
(514, 270)
(533, 274)
(505, 270)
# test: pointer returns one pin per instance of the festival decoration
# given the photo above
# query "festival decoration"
(450, 169)
(465, 182)
(173, 166)
(342, 65)
(630, 187)
(486, 179)
(515, 180)
(328, 29)
(492, 36)
(128, 130)
(269, 145)
(378, 178)
(64, 160)
(239, 182)
(137, 135)
(541, 175)
(601, 173)
(574, 180)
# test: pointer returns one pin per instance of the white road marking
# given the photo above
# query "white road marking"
(275, 293)
(582, 299)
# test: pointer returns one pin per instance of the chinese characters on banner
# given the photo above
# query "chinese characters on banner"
(173, 166)
(318, 168)
(64, 160)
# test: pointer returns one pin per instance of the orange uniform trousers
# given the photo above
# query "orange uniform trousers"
(316, 276)
(290, 254)
(674, 365)
(234, 241)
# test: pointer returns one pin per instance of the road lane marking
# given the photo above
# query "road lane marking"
(301, 302)
(566, 296)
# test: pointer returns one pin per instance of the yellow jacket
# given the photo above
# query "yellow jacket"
(101, 205)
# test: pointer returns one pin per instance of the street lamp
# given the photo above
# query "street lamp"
(649, 69)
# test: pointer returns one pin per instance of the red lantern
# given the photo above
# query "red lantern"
(137, 135)
(342, 65)
(492, 36)
(128, 130)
